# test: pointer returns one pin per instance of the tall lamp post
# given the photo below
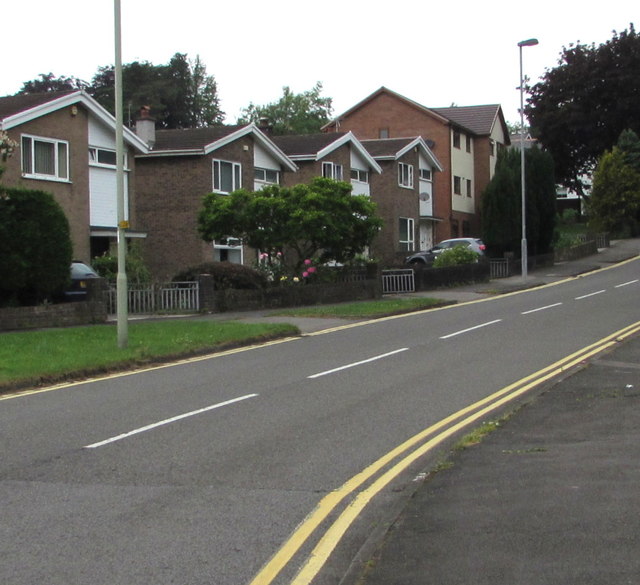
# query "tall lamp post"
(527, 43)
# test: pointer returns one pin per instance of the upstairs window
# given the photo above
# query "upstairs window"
(332, 171)
(456, 139)
(468, 143)
(104, 157)
(457, 185)
(44, 158)
(360, 176)
(267, 176)
(405, 175)
(468, 181)
(226, 176)
(425, 175)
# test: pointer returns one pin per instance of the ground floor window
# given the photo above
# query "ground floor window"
(228, 249)
(406, 233)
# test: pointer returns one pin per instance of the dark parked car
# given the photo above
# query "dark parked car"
(80, 273)
(428, 256)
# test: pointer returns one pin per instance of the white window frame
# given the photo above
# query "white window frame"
(332, 171)
(457, 185)
(426, 175)
(405, 175)
(61, 168)
(266, 176)
(236, 175)
(409, 244)
(94, 157)
(360, 176)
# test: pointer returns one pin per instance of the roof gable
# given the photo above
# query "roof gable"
(313, 147)
(479, 120)
(201, 141)
(22, 108)
(395, 148)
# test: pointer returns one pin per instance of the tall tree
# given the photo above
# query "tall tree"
(581, 106)
(322, 220)
(302, 113)
(49, 82)
(502, 203)
(180, 94)
(614, 205)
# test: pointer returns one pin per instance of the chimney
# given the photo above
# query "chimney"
(146, 126)
(263, 124)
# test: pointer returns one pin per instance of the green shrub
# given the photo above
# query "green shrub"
(137, 271)
(36, 247)
(225, 275)
(455, 256)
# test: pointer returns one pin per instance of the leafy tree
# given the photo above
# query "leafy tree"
(35, 244)
(581, 106)
(322, 220)
(502, 203)
(49, 82)
(303, 113)
(180, 94)
(614, 204)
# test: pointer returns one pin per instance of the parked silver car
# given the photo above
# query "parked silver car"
(428, 256)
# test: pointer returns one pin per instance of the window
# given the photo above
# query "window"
(332, 171)
(268, 176)
(383, 133)
(468, 143)
(104, 157)
(468, 187)
(45, 158)
(492, 146)
(457, 185)
(425, 174)
(405, 231)
(405, 175)
(226, 176)
(361, 176)
(456, 139)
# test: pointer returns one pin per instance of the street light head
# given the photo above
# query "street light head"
(528, 43)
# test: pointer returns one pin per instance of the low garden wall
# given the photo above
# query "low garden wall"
(427, 277)
(293, 295)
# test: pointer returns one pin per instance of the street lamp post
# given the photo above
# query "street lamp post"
(523, 250)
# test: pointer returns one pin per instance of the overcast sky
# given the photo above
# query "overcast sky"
(463, 53)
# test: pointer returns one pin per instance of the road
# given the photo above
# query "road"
(200, 472)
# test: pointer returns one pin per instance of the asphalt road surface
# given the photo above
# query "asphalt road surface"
(201, 472)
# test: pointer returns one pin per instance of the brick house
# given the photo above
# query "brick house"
(66, 146)
(180, 168)
(465, 141)
(404, 195)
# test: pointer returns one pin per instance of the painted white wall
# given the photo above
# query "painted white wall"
(462, 166)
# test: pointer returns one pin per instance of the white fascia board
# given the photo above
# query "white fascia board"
(68, 100)
(426, 151)
(260, 137)
(349, 137)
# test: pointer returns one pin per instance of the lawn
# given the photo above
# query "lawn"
(30, 357)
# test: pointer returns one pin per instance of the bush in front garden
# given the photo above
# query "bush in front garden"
(225, 275)
(455, 257)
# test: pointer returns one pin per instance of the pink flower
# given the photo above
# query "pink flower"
(305, 274)
(307, 262)
(311, 269)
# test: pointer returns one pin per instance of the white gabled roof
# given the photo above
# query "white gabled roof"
(77, 97)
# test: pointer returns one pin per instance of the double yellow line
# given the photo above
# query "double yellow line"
(406, 454)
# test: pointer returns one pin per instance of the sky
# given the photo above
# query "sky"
(438, 54)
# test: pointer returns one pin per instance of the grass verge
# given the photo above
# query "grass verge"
(33, 357)
(365, 309)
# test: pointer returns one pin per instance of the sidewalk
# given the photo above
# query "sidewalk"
(550, 497)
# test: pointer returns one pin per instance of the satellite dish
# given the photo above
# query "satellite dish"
(425, 196)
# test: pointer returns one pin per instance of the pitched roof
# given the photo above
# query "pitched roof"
(306, 145)
(312, 147)
(478, 119)
(201, 141)
(384, 90)
(191, 138)
(394, 148)
(19, 109)
(15, 104)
